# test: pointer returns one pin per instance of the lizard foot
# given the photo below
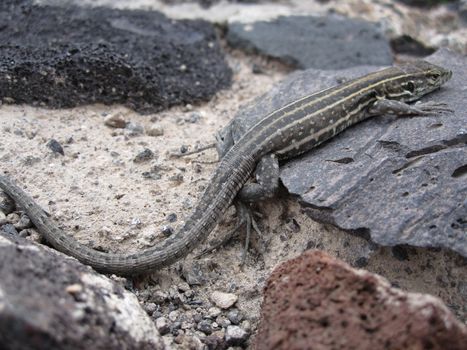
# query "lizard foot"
(244, 217)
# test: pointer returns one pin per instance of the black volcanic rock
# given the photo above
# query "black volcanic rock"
(68, 56)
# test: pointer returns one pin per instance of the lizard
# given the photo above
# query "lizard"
(285, 133)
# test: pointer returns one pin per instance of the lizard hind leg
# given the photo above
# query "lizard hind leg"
(267, 177)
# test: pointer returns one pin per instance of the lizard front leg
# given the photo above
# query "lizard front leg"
(384, 106)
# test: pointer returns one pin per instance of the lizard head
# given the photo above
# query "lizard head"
(421, 78)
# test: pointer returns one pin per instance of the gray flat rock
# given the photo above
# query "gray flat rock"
(399, 180)
(303, 41)
(50, 301)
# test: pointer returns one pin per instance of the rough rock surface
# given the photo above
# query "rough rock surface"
(402, 180)
(316, 299)
(303, 41)
(50, 301)
(68, 56)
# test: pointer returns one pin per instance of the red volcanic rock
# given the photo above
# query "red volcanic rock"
(318, 302)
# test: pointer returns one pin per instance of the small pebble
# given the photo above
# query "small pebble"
(134, 129)
(213, 312)
(223, 300)
(193, 118)
(160, 297)
(234, 316)
(162, 325)
(173, 315)
(55, 147)
(155, 130)
(7, 205)
(234, 335)
(172, 217)
(12, 218)
(175, 327)
(115, 121)
(144, 156)
(150, 308)
(223, 321)
(23, 223)
(205, 327)
(9, 229)
(167, 230)
(31, 235)
(215, 341)
(136, 223)
(74, 288)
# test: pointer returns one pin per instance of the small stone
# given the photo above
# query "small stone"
(234, 335)
(7, 205)
(74, 289)
(186, 325)
(175, 327)
(172, 217)
(173, 315)
(162, 325)
(235, 316)
(134, 129)
(223, 321)
(215, 341)
(150, 308)
(144, 156)
(194, 273)
(205, 327)
(136, 223)
(12, 218)
(194, 118)
(160, 297)
(155, 130)
(55, 147)
(184, 287)
(2, 218)
(167, 230)
(223, 300)
(31, 235)
(9, 229)
(115, 121)
(23, 223)
(213, 312)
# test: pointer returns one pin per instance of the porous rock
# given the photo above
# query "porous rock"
(397, 180)
(68, 56)
(50, 301)
(304, 41)
(318, 302)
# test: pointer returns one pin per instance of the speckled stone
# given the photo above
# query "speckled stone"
(316, 299)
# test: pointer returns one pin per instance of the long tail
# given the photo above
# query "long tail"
(216, 199)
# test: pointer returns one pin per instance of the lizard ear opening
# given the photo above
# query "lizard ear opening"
(410, 86)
